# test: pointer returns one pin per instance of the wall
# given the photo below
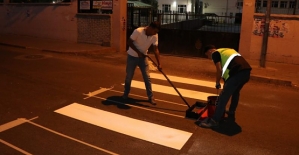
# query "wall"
(94, 28)
(55, 21)
(283, 38)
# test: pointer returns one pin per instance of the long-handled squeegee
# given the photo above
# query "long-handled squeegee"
(189, 112)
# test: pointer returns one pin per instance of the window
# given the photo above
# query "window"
(283, 4)
(166, 7)
(292, 4)
(258, 3)
(181, 8)
(265, 4)
(240, 3)
(274, 4)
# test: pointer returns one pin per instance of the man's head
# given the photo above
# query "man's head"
(153, 28)
(209, 49)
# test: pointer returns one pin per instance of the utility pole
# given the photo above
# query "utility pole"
(265, 35)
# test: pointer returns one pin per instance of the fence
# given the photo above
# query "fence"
(174, 20)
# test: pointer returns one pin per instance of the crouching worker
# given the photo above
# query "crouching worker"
(235, 71)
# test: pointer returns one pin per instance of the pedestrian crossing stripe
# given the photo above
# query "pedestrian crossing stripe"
(151, 132)
(184, 80)
(170, 90)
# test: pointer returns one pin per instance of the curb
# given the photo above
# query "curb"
(271, 80)
(96, 52)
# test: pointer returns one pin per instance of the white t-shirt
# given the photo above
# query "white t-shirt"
(142, 41)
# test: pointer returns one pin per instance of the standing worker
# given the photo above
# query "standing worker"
(140, 41)
(235, 71)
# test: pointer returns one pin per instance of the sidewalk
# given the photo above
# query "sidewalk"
(275, 73)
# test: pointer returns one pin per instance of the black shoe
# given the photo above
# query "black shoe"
(209, 123)
(152, 101)
(124, 97)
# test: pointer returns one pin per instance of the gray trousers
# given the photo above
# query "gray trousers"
(231, 88)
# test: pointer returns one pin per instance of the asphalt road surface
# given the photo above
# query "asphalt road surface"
(65, 105)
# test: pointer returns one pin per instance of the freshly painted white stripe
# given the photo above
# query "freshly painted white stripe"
(156, 111)
(151, 132)
(145, 97)
(184, 80)
(14, 147)
(170, 90)
(68, 137)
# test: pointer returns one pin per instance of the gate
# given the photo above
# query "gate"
(186, 34)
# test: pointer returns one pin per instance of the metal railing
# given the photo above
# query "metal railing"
(175, 20)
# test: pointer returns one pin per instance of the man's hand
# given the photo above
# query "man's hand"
(218, 85)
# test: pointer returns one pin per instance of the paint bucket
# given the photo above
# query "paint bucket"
(212, 100)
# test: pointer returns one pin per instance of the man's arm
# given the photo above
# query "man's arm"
(218, 72)
(131, 44)
(157, 55)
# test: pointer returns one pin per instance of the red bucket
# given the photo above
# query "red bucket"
(212, 105)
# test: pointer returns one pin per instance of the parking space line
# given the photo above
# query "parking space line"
(147, 131)
(15, 147)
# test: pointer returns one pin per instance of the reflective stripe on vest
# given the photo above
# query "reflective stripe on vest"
(228, 61)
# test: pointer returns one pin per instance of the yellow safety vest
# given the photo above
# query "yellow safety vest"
(227, 55)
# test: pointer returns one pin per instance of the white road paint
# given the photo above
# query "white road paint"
(170, 90)
(151, 132)
(23, 120)
(101, 90)
(14, 147)
(156, 111)
(184, 80)
(71, 138)
(13, 123)
(145, 97)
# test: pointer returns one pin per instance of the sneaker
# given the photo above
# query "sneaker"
(152, 101)
(209, 123)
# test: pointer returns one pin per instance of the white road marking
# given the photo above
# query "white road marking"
(145, 97)
(68, 137)
(184, 80)
(13, 123)
(101, 90)
(14, 147)
(170, 90)
(156, 111)
(151, 132)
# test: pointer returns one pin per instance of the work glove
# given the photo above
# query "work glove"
(218, 86)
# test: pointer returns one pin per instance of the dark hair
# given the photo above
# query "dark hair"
(155, 25)
(208, 47)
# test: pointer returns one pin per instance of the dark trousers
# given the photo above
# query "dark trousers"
(231, 88)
